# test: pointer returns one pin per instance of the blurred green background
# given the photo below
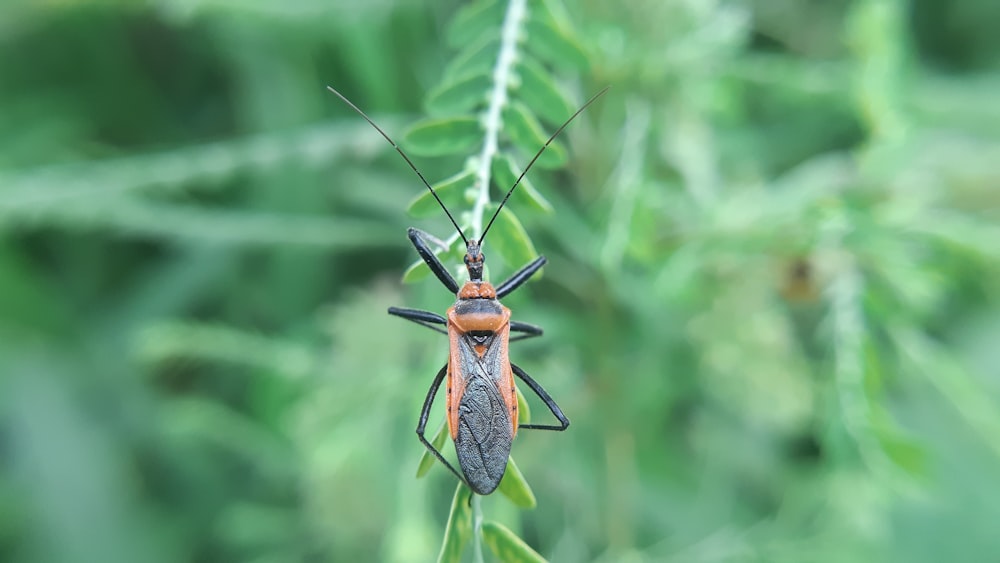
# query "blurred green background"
(771, 306)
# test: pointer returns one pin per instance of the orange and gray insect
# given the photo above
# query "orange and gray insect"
(481, 397)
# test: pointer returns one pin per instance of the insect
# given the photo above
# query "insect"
(481, 398)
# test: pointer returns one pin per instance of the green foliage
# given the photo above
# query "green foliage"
(770, 306)
(507, 546)
(443, 136)
(484, 90)
(459, 528)
(490, 106)
(512, 240)
(525, 195)
(515, 487)
(427, 458)
(452, 192)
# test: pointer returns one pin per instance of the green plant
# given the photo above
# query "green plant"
(493, 99)
(770, 303)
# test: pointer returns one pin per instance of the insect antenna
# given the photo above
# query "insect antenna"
(537, 154)
(408, 161)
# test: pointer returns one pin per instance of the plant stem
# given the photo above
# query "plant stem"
(512, 20)
(845, 293)
(477, 529)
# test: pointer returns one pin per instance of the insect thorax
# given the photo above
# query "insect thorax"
(478, 314)
(476, 290)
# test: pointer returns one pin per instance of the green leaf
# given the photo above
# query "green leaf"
(451, 191)
(416, 272)
(479, 56)
(524, 130)
(908, 454)
(459, 528)
(450, 257)
(505, 173)
(443, 136)
(555, 45)
(523, 410)
(507, 546)
(511, 241)
(516, 488)
(901, 448)
(473, 20)
(540, 93)
(427, 460)
(462, 94)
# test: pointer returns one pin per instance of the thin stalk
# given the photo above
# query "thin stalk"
(516, 12)
(477, 529)
(845, 293)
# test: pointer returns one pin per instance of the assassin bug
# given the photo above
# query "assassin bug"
(481, 396)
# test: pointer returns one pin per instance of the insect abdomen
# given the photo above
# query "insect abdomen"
(484, 435)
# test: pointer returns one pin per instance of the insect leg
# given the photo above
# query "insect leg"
(526, 330)
(422, 318)
(553, 407)
(422, 425)
(519, 277)
(417, 238)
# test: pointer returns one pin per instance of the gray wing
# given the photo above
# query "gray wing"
(485, 431)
